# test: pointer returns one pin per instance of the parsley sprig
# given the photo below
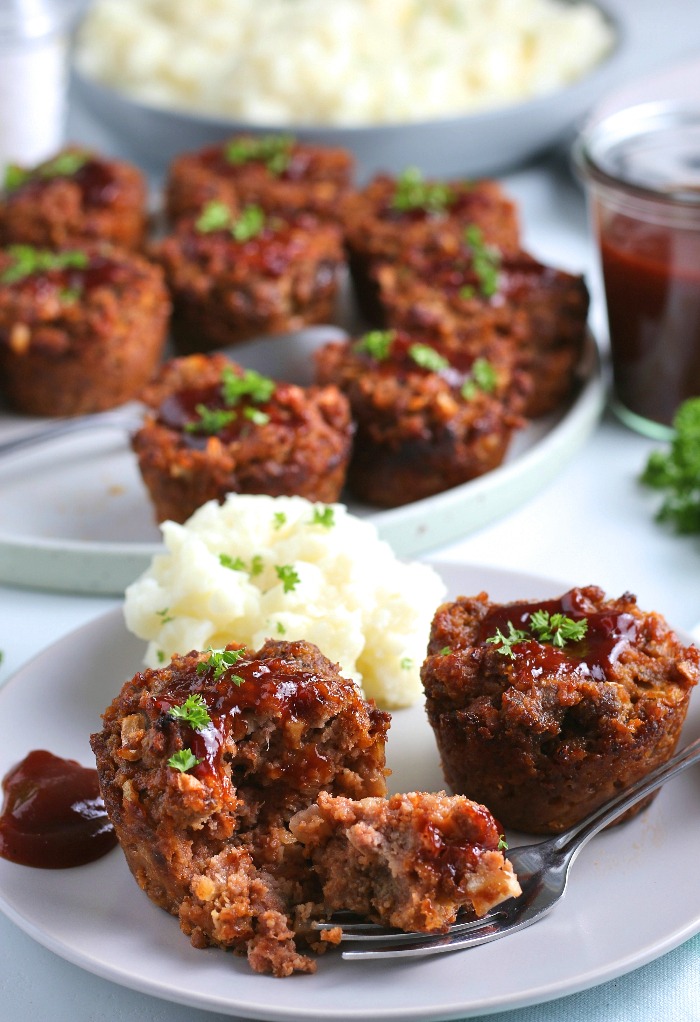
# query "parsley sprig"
(677, 471)
(486, 260)
(27, 260)
(556, 628)
(216, 216)
(413, 192)
(288, 576)
(183, 760)
(483, 377)
(64, 165)
(428, 358)
(193, 711)
(376, 343)
(220, 661)
(274, 151)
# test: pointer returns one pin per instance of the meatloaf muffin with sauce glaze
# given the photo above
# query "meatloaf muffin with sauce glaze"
(234, 275)
(427, 416)
(216, 428)
(544, 710)
(392, 218)
(74, 197)
(276, 172)
(479, 290)
(412, 861)
(203, 762)
(81, 329)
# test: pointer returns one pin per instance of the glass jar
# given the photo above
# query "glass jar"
(641, 168)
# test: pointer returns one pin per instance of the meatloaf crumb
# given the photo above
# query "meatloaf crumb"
(276, 172)
(234, 275)
(74, 197)
(427, 417)
(81, 329)
(412, 861)
(217, 428)
(201, 804)
(543, 729)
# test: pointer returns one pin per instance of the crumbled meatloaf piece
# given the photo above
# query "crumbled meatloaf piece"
(391, 217)
(217, 428)
(276, 172)
(544, 733)
(543, 310)
(74, 197)
(233, 276)
(411, 861)
(81, 329)
(427, 417)
(210, 842)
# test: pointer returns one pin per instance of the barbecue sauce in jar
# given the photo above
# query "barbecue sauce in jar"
(53, 816)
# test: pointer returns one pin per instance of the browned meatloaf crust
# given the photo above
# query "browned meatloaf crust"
(412, 861)
(217, 428)
(541, 309)
(276, 172)
(392, 216)
(545, 733)
(81, 329)
(422, 426)
(74, 197)
(210, 843)
(234, 276)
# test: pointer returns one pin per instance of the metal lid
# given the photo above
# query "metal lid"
(653, 148)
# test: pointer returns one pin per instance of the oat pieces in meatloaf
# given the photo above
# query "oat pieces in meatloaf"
(216, 428)
(74, 197)
(476, 291)
(412, 861)
(391, 217)
(545, 718)
(427, 416)
(234, 275)
(81, 329)
(276, 172)
(203, 762)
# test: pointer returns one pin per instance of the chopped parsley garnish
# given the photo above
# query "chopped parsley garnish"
(557, 629)
(677, 471)
(160, 656)
(483, 377)
(278, 520)
(257, 565)
(165, 615)
(323, 516)
(250, 384)
(193, 711)
(428, 358)
(274, 151)
(183, 760)
(249, 224)
(256, 416)
(210, 421)
(406, 663)
(234, 563)
(281, 630)
(27, 260)
(63, 165)
(486, 260)
(287, 576)
(376, 343)
(413, 192)
(221, 661)
(445, 650)
(502, 845)
(216, 216)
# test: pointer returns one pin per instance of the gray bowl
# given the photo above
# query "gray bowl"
(487, 143)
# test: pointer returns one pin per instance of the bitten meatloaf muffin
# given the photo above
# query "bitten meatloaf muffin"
(203, 762)
(217, 428)
(479, 290)
(74, 197)
(234, 275)
(392, 217)
(427, 417)
(276, 172)
(81, 329)
(544, 710)
(412, 861)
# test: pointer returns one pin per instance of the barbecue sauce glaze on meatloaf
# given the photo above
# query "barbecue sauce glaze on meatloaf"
(545, 733)
(211, 844)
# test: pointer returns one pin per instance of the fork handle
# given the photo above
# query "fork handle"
(62, 427)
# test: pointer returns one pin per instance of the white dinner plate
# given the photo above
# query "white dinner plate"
(627, 901)
(75, 515)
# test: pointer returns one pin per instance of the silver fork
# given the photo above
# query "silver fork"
(120, 419)
(542, 870)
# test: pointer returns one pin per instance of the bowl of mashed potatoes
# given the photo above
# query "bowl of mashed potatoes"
(452, 86)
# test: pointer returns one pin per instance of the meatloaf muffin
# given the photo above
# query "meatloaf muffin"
(74, 197)
(427, 416)
(81, 329)
(412, 861)
(216, 428)
(276, 172)
(479, 290)
(233, 275)
(202, 763)
(393, 217)
(544, 710)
